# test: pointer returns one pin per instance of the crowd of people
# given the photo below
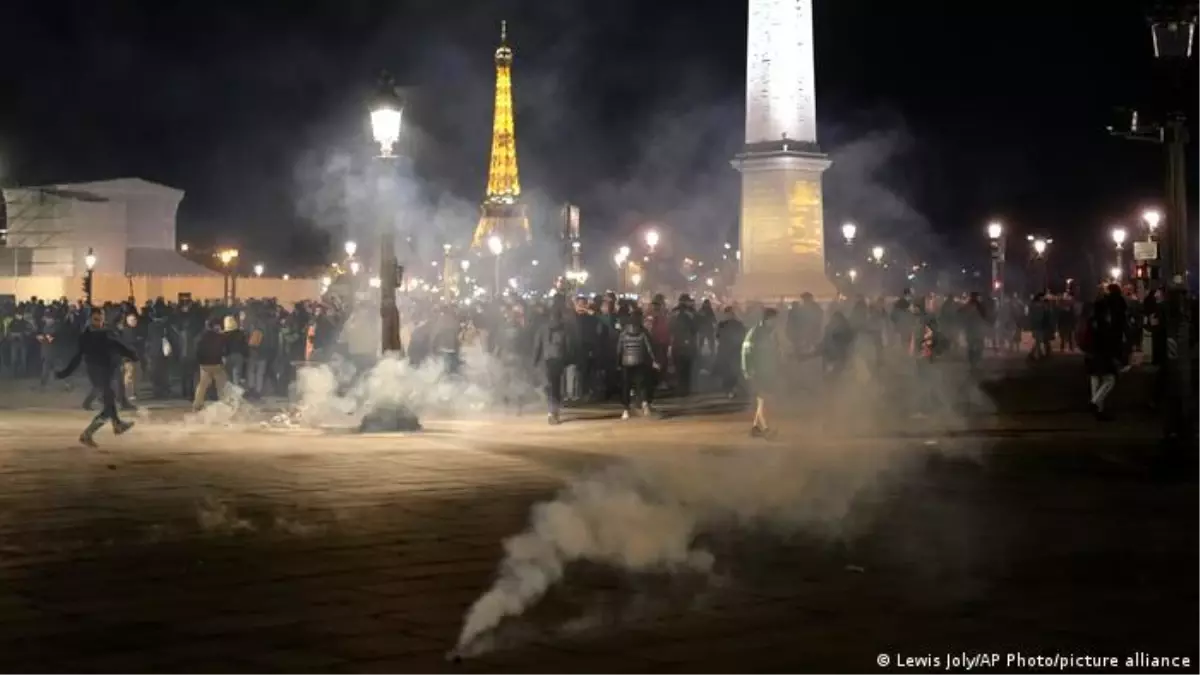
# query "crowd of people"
(578, 349)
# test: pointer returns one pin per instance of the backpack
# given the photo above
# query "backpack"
(256, 338)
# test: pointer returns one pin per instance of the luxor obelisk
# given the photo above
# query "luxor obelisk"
(782, 224)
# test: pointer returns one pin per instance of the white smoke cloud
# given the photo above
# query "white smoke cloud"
(654, 515)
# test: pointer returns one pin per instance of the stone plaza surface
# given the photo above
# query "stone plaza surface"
(189, 549)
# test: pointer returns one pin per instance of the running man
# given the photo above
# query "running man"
(103, 353)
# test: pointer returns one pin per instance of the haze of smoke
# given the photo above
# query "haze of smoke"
(340, 394)
(648, 515)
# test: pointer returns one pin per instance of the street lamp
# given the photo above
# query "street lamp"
(652, 239)
(1039, 244)
(227, 256)
(465, 265)
(496, 246)
(849, 230)
(708, 282)
(259, 269)
(1115, 273)
(89, 261)
(351, 248)
(877, 254)
(1152, 218)
(995, 233)
(374, 282)
(636, 279)
(183, 248)
(355, 267)
(853, 275)
(385, 117)
(1118, 236)
(385, 126)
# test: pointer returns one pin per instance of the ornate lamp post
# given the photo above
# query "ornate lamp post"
(89, 261)
(1118, 236)
(227, 256)
(1040, 244)
(995, 233)
(386, 116)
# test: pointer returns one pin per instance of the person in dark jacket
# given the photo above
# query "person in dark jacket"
(158, 354)
(684, 330)
(551, 352)
(210, 355)
(103, 354)
(636, 356)
(730, 334)
(1105, 354)
(182, 335)
(237, 351)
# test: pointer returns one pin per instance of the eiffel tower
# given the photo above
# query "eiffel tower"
(502, 212)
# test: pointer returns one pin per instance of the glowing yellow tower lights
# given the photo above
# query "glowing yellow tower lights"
(502, 213)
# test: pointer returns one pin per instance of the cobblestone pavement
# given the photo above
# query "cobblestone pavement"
(182, 549)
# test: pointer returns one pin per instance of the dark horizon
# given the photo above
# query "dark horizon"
(938, 119)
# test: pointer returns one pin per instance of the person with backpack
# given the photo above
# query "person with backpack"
(552, 352)
(760, 367)
(636, 356)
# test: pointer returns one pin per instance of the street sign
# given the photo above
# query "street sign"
(1145, 250)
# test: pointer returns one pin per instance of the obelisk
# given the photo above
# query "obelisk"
(782, 224)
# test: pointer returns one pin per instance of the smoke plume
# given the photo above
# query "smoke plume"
(653, 515)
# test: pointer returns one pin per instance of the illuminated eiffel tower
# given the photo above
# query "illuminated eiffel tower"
(502, 212)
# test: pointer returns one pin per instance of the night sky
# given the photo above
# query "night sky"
(938, 116)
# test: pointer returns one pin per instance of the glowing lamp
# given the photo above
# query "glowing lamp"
(1152, 218)
(386, 116)
(994, 230)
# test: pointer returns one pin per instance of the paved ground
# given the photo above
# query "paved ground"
(180, 548)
